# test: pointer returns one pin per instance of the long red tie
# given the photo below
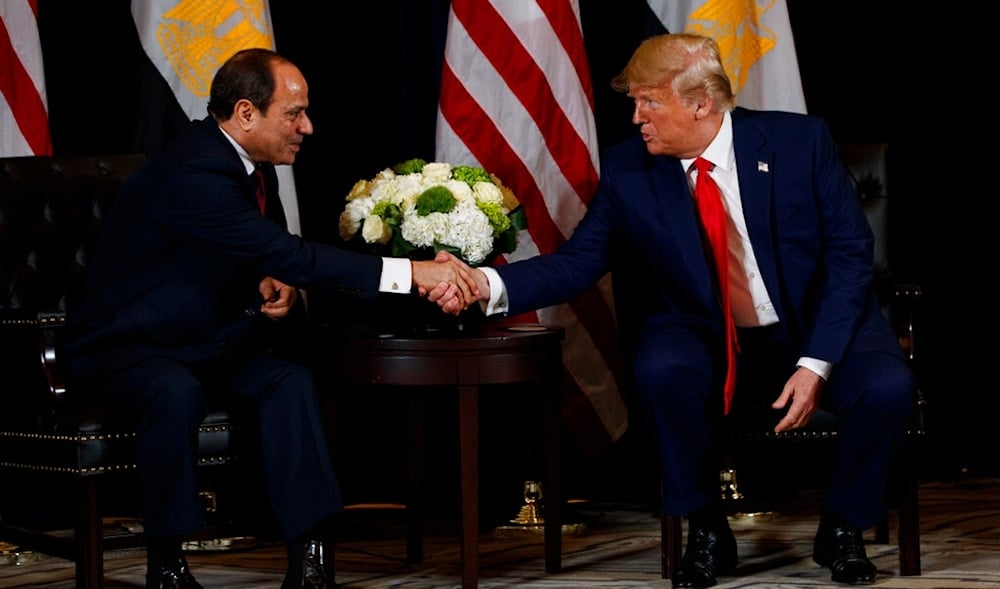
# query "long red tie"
(258, 177)
(713, 220)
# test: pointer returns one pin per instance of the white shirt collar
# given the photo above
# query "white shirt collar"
(720, 150)
(244, 156)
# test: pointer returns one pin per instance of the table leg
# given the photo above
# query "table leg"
(468, 442)
(415, 482)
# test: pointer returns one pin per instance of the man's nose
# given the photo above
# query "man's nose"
(306, 125)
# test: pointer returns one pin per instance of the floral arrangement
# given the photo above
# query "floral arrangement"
(415, 209)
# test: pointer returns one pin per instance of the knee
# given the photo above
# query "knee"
(177, 400)
(293, 381)
(893, 393)
(663, 377)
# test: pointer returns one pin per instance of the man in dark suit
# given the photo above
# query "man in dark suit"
(181, 299)
(800, 287)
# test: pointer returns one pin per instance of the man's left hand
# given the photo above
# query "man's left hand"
(278, 297)
(803, 390)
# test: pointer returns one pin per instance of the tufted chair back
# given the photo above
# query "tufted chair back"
(60, 455)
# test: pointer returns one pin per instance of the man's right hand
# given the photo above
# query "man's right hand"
(447, 296)
(450, 279)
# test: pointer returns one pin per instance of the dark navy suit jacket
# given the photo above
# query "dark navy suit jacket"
(176, 269)
(811, 240)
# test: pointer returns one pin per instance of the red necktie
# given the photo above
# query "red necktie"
(258, 177)
(713, 220)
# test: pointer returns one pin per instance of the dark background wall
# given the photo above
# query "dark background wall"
(877, 74)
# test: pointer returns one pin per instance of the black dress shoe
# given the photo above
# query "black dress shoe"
(710, 551)
(840, 547)
(309, 567)
(169, 571)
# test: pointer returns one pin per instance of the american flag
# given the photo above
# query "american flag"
(24, 120)
(516, 99)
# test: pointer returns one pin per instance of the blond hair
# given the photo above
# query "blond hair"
(689, 65)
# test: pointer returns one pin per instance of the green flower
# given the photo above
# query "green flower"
(470, 174)
(494, 212)
(436, 199)
(412, 166)
(390, 213)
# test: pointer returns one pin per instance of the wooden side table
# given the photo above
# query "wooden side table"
(518, 353)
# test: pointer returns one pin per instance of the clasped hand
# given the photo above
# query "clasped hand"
(449, 282)
(278, 297)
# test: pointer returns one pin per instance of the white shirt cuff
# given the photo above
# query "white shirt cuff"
(498, 293)
(397, 275)
(820, 367)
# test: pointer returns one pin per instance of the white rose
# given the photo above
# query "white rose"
(437, 172)
(354, 212)
(459, 189)
(487, 192)
(360, 189)
(375, 231)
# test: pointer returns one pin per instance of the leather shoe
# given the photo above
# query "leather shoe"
(169, 571)
(840, 547)
(710, 551)
(309, 566)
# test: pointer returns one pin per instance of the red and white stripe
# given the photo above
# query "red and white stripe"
(24, 119)
(516, 99)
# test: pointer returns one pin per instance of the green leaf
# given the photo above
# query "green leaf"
(518, 219)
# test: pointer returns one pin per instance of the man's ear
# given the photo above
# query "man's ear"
(244, 112)
(703, 108)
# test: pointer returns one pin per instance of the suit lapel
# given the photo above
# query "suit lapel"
(676, 207)
(756, 168)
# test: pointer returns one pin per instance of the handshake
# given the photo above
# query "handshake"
(450, 282)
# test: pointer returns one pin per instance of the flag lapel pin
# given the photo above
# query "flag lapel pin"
(762, 167)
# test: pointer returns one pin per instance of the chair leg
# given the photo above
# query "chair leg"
(89, 536)
(670, 545)
(909, 524)
(882, 530)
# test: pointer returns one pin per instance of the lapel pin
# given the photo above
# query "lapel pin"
(762, 166)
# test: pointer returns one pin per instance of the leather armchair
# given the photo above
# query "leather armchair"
(58, 450)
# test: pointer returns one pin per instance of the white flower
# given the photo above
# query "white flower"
(354, 213)
(487, 192)
(437, 172)
(375, 231)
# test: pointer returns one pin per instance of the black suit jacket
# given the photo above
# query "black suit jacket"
(176, 269)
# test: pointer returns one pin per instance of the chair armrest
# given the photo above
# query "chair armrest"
(49, 324)
(905, 299)
(903, 315)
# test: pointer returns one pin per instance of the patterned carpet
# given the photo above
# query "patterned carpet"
(619, 547)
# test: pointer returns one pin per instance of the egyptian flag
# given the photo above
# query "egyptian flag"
(755, 37)
(187, 41)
